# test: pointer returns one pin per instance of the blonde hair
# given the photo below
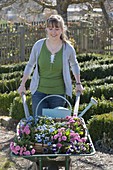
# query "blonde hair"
(57, 21)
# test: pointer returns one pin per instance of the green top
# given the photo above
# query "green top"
(51, 74)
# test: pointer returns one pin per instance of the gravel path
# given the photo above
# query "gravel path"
(98, 161)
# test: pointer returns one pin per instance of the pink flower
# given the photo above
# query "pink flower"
(27, 130)
(24, 149)
(33, 151)
(12, 145)
(21, 151)
(64, 138)
(15, 152)
(18, 132)
(60, 134)
(84, 139)
(27, 153)
(56, 136)
(68, 117)
(62, 129)
(79, 140)
(71, 120)
(75, 115)
(59, 139)
(59, 145)
(17, 148)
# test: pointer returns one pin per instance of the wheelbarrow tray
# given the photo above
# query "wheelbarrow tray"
(46, 159)
(58, 159)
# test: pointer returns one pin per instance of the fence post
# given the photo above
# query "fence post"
(22, 42)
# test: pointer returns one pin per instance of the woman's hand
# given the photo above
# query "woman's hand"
(79, 88)
(21, 89)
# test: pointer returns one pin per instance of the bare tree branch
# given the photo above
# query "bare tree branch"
(45, 4)
(6, 3)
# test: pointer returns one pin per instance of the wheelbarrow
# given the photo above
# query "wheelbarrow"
(61, 160)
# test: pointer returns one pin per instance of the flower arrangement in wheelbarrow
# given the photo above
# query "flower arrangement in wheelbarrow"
(68, 136)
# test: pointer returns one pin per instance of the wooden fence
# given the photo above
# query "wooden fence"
(17, 40)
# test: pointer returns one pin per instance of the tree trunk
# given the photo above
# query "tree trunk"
(61, 8)
(102, 6)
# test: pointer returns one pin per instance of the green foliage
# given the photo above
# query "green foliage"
(96, 92)
(99, 125)
(97, 82)
(102, 107)
(11, 85)
(86, 57)
(93, 57)
(5, 102)
(96, 71)
(11, 75)
(12, 67)
(17, 110)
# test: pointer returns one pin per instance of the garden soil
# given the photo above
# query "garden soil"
(99, 161)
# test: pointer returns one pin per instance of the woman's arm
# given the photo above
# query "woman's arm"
(22, 85)
(76, 70)
(79, 86)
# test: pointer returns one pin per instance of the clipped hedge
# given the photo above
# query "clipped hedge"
(96, 92)
(99, 125)
(97, 61)
(17, 110)
(5, 102)
(87, 57)
(12, 67)
(11, 85)
(12, 75)
(96, 71)
(98, 82)
(92, 57)
(103, 106)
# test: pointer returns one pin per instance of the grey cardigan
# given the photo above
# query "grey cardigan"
(69, 60)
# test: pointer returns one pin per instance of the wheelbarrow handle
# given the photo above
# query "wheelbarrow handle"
(26, 110)
(76, 107)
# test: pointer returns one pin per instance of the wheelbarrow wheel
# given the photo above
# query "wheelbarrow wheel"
(53, 166)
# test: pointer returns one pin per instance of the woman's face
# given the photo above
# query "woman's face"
(54, 32)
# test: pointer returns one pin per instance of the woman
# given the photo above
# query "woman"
(52, 58)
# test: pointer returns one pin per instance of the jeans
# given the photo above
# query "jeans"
(50, 102)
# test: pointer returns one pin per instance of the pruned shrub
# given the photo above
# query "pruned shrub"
(17, 109)
(103, 106)
(5, 102)
(100, 124)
